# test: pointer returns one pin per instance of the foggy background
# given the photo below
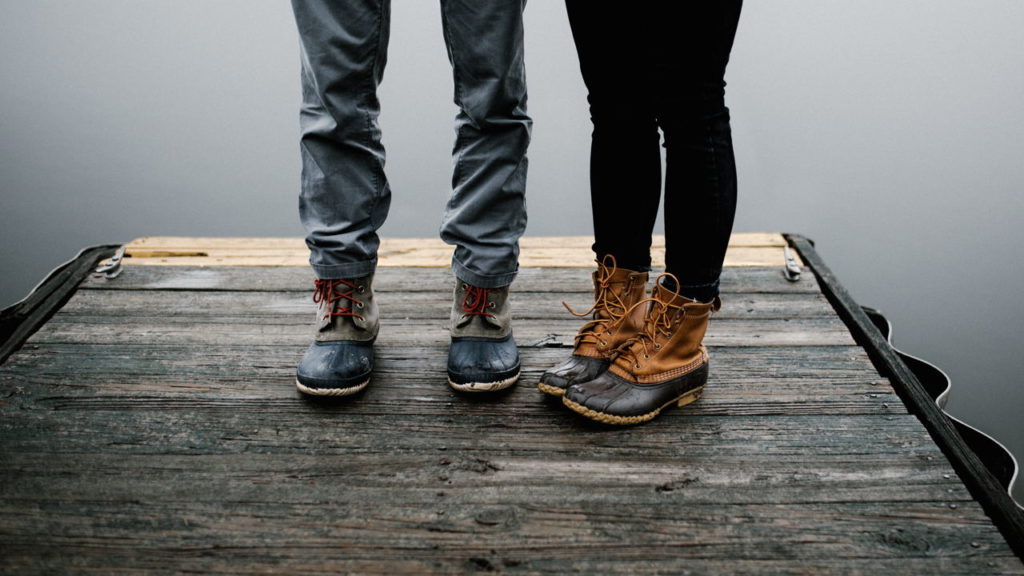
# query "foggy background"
(888, 132)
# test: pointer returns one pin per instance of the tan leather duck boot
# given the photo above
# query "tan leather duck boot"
(664, 364)
(616, 318)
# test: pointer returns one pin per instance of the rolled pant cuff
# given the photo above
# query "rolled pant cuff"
(700, 292)
(482, 280)
(345, 271)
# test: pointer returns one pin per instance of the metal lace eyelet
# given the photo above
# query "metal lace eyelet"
(491, 304)
(361, 289)
(646, 357)
(359, 305)
(636, 366)
(657, 346)
(603, 343)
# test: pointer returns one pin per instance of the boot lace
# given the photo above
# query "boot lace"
(608, 310)
(336, 293)
(657, 328)
(474, 302)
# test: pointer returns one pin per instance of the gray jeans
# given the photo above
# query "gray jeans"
(345, 195)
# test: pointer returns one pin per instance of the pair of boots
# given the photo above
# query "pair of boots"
(638, 355)
(483, 356)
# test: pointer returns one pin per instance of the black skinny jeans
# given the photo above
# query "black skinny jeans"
(656, 65)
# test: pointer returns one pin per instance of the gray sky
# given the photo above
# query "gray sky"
(887, 131)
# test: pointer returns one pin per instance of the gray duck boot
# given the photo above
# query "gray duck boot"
(483, 356)
(340, 359)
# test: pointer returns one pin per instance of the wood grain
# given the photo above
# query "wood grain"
(152, 426)
(747, 249)
(404, 280)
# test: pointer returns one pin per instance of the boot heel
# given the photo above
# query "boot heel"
(690, 397)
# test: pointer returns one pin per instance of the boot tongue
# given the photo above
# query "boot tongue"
(465, 319)
(485, 312)
(618, 277)
(491, 320)
(325, 320)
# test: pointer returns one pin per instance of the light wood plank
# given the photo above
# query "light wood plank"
(198, 243)
(747, 249)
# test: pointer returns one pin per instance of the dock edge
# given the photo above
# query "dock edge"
(20, 320)
(985, 487)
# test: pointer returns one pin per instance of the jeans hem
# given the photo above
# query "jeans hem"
(700, 292)
(482, 280)
(345, 271)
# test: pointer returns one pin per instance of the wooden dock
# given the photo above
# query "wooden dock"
(151, 425)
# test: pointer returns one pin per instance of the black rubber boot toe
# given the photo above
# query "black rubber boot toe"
(483, 364)
(337, 368)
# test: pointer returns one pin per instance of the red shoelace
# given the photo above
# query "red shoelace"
(328, 291)
(475, 303)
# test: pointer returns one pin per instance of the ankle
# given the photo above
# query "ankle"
(702, 293)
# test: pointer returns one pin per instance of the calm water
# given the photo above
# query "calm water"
(887, 132)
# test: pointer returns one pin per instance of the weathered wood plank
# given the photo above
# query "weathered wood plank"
(287, 330)
(472, 427)
(380, 490)
(744, 381)
(556, 537)
(708, 450)
(739, 364)
(786, 398)
(325, 558)
(300, 279)
(717, 401)
(525, 305)
(153, 426)
(519, 477)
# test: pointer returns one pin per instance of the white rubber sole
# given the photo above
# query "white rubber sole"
(331, 391)
(484, 386)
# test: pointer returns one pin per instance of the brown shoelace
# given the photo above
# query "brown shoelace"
(608, 308)
(657, 326)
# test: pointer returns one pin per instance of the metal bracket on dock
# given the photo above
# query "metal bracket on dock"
(792, 269)
(112, 268)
